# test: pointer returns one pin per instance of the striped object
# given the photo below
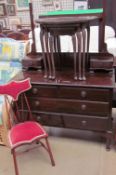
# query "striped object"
(11, 49)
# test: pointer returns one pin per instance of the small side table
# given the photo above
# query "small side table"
(78, 28)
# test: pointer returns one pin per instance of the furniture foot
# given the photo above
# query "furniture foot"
(109, 136)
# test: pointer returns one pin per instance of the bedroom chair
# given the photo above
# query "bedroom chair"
(17, 35)
(26, 32)
(24, 130)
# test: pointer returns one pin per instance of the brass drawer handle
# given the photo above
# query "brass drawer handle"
(34, 90)
(83, 94)
(37, 103)
(83, 107)
(84, 122)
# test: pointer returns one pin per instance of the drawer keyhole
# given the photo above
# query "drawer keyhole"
(37, 103)
(83, 94)
(35, 90)
(84, 122)
(83, 107)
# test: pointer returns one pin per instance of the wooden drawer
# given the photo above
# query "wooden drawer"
(49, 119)
(84, 93)
(89, 123)
(70, 106)
(70, 93)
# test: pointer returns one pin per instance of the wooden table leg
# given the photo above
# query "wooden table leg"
(78, 33)
(48, 53)
(51, 41)
(84, 57)
(57, 48)
(43, 51)
(88, 42)
(75, 56)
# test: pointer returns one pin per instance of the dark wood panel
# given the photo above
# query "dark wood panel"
(49, 119)
(110, 11)
(94, 80)
(70, 93)
(84, 93)
(70, 106)
(96, 124)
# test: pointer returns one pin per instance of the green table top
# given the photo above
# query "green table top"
(74, 12)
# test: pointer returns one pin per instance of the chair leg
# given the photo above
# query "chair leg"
(15, 162)
(50, 152)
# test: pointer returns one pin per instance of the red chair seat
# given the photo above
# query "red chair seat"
(26, 133)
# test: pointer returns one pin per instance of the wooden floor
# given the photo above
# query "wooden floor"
(75, 152)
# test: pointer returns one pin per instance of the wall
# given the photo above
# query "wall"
(39, 9)
(68, 4)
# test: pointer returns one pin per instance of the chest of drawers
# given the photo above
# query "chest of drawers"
(73, 104)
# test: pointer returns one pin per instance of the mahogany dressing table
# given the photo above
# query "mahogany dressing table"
(58, 98)
(68, 103)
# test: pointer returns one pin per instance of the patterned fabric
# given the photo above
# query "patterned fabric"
(7, 71)
(11, 49)
(11, 53)
(1, 103)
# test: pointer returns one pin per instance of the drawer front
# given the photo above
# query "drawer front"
(42, 91)
(49, 119)
(84, 93)
(70, 106)
(70, 93)
(89, 123)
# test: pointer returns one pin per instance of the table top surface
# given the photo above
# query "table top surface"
(66, 20)
(65, 78)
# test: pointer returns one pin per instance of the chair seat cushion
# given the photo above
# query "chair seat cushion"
(26, 132)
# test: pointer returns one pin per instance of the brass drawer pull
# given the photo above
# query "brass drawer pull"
(84, 122)
(83, 94)
(37, 103)
(83, 107)
(34, 90)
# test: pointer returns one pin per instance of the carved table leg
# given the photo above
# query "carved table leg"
(109, 136)
(57, 47)
(75, 56)
(88, 42)
(84, 57)
(57, 43)
(43, 51)
(51, 41)
(48, 54)
(79, 53)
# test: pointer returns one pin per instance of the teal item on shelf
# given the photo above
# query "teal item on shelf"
(73, 12)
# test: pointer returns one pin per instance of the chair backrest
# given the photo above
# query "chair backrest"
(26, 32)
(17, 35)
(14, 108)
